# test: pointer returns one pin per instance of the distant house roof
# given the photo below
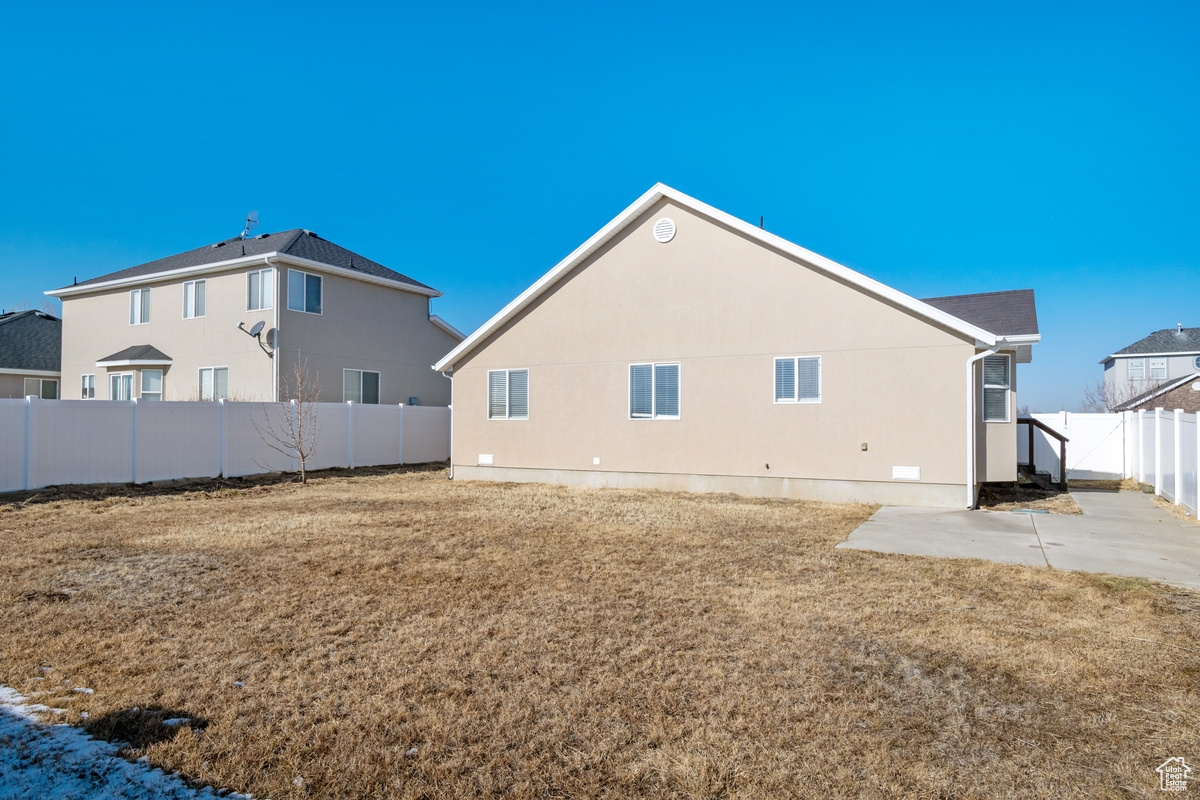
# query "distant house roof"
(658, 192)
(1167, 341)
(298, 243)
(137, 354)
(30, 340)
(1011, 313)
(1177, 393)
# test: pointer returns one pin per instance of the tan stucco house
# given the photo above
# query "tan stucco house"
(681, 348)
(30, 354)
(233, 319)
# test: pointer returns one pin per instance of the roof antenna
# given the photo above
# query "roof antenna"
(251, 221)
(1179, 325)
(760, 222)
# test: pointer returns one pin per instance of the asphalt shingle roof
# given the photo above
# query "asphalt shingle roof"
(138, 352)
(30, 340)
(1169, 340)
(297, 242)
(1010, 313)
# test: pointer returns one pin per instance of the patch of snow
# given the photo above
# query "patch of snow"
(82, 690)
(176, 721)
(62, 761)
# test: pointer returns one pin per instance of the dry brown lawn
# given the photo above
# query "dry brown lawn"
(398, 634)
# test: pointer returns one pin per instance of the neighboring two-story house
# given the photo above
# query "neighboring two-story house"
(1149, 364)
(234, 318)
(30, 352)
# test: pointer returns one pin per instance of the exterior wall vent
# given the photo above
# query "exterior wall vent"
(664, 230)
(486, 459)
(906, 473)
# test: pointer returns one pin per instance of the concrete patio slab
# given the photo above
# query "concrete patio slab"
(1122, 533)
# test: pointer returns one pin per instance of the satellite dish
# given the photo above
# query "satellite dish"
(271, 337)
(256, 328)
(251, 221)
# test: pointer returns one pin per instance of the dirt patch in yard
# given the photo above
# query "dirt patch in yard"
(401, 635)
(1011, 497)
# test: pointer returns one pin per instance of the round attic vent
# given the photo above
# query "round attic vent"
(664, 230)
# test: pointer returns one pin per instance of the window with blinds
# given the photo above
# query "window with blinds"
(996, 383)
(654, 391)
(508, 394)
(798, 379)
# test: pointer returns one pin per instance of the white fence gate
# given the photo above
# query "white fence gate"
(1156, 447)
(52, 442)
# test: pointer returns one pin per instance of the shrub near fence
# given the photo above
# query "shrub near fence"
(52, 442)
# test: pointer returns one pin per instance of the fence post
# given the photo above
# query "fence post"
(134, 437)
(30, 440)
(222, 440)
(1141, 453)
(292, 460)
(400, 443)
(1178, 487)
(1158, 451)
(350, 434)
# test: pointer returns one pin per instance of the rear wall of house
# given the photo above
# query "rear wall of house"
(723, 307)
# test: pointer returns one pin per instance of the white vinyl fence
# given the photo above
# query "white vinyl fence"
(1158, 448)
(53, 442)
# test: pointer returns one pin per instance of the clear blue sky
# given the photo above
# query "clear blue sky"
(940, 148)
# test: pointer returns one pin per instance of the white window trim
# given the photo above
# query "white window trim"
(112, 375)
(263, 274)
(195, 283)
(1007, 390)
(41, 392)
(487, 406)
(288, 305)
(361, 372)
(1129, 369)
(140, 321)
(1161, 362)
(84, 376)
(795, 401)
(199, 383)
(653, 389)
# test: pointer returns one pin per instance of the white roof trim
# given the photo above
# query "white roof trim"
(1169, 386)
(137, 362)
(33, 373)
(660, 191)
(1151, 355)
(266, 259)
(447, 327)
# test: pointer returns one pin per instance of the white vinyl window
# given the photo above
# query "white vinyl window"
(1137, 369)
(41, 387)
(654, 391)
(87, 387)
(260, 290)
(139, 306)
(996, 383)
(360, 386)
(120, 386)
(508, 394)
(214, 383)
(798, 380)
(152, 382)
(193, 299)
(304, 292)
(1158, 369)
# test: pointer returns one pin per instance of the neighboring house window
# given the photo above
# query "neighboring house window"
(1158, 369)
(360, 386)
(139, 306)
(152, 384)
(995, 388)
(260, 290)
(41, 387)
(798, 380)
(304, 292)
(1137, 369)
(1196, 362)
(654, 391)
(214, 383)
(193, 299)
(87, 389)
(120, 386)
(508, 394)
